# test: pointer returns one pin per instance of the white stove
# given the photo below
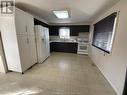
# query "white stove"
(83, 45)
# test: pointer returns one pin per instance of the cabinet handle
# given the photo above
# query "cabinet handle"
(27, 40)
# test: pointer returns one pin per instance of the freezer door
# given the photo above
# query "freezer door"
(47, 42)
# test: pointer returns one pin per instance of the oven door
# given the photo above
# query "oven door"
(82, 48)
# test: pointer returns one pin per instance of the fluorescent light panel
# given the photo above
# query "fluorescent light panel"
(61, 14)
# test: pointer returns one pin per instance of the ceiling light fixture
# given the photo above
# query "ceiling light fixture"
(61, 14)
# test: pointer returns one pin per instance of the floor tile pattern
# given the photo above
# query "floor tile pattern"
(60, 74)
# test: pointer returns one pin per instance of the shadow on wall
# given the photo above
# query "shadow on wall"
(35, 10)
(125, 88)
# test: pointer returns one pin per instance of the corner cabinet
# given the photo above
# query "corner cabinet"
(24, 45)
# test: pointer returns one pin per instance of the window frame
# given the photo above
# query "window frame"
(66, 36)
(112, 36)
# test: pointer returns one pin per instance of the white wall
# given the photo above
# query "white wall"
(3, 66)
(113, 65)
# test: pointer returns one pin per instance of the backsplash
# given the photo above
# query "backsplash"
(83, 35)
(57, 38)
(72, 38)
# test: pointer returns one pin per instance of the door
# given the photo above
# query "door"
(31, 37)
(23, 43)
(30, 24)
(20, 20)
(33, 53)
(47, 42)
(43, 43)
(40, 42)
(83, 47)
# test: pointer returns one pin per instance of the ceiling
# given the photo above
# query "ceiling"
(81, 11)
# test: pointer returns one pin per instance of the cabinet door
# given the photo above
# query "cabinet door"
(24, 51)
(30, 24)
(65, 47)
(47, 42)
(20, 22)
(32, 48)
(51, 47)
(54, 30)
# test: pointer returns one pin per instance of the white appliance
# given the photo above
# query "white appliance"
(42, 42)
(82, 46)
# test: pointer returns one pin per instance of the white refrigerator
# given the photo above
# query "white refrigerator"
(42, 43)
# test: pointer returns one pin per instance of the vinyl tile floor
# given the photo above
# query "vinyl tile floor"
(60, 74)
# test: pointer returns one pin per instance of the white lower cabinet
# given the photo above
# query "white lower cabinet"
(33, 51)
(24, 52)
(27, 51)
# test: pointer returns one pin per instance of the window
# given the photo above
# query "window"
(104, 32)
(64, 33)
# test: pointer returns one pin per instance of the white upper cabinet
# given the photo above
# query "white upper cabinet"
(20, 22)
(30, 24)
(24, 23)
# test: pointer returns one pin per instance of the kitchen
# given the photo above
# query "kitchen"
(63, 47)
(67, 44)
